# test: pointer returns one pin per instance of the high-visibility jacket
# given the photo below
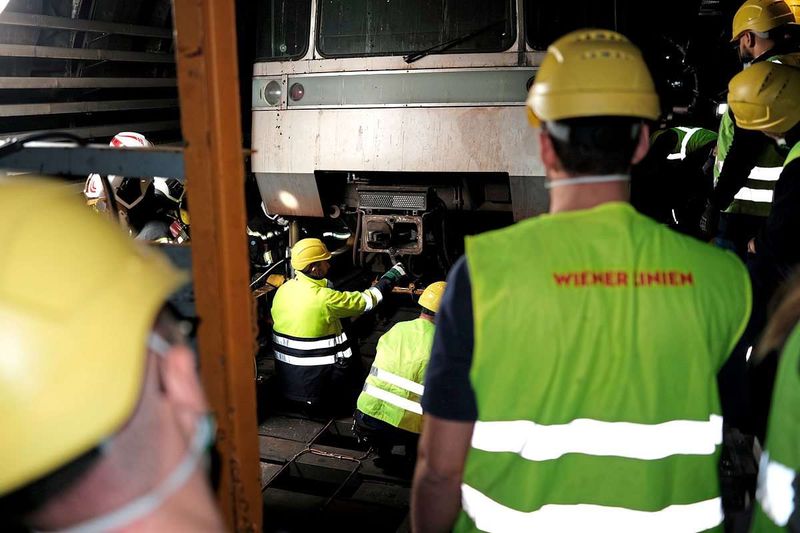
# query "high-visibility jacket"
(307, 335)
(780, 461)
(689, 140)
(394, 387)
(755, 198)
(794, 153)
(598, 337)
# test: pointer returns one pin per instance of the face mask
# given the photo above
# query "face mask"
(584, 180)
(152, 500)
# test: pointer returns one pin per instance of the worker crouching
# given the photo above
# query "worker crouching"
(313, 354)
(389, 410)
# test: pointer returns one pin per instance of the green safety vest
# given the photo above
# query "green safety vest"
(794, 153)
(598, 338)
(689, 140)
(780, 462)
(307, 335)
(755, 198)
(394, 387)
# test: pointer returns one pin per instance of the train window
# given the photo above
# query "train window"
(392, 27)
(283, 27)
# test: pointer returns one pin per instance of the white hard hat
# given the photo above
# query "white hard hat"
(128, 191)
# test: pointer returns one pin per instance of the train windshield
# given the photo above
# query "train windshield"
(393, 27)
(283, 29)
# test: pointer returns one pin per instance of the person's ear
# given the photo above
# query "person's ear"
(749, 39)
(548, 152)
(643, 145)
(181, 385)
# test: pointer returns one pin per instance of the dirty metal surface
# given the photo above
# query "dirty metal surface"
(315, 474)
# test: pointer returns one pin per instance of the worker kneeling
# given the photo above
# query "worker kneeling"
(313, 355)
(389, 411)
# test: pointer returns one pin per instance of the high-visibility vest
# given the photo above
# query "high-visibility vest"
(755, 198)
(307, 335)
(394, 387)
(598, 337)
(780, 461)
(794, 153)
(689, 140)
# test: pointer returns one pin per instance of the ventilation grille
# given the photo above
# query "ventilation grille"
(392, 200)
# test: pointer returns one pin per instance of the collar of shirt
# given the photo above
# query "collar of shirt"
(308, 279)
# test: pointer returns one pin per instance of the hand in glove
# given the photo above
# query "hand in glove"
(395, 273)
(709, 221)
(390, 279)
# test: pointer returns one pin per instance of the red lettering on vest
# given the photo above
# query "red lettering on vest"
(617, 278)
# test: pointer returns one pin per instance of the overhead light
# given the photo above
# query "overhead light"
(3, 5)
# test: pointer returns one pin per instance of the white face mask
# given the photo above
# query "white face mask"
(584, 180)
(152, 500)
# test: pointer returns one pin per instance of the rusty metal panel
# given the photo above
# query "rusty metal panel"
(208, 86)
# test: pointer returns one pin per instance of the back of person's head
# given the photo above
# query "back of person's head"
(765, 97)
(78, 304)
(766, 18)
(308, 251)
(592, 94)
(431, 298)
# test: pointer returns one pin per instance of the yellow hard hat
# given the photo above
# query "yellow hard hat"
(590, 73)
(764, 97)
(308, 251)
(432, 296)
(77, 301)
(794, 6)
(760, 16)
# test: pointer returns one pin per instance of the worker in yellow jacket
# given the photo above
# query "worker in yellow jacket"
(389, 411)
(313, 355)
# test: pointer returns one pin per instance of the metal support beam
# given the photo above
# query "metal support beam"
(90, 54)
(96, 132)
(63, 108)
(70, 159)
(208, 86)
(91, 26)
(18, 82)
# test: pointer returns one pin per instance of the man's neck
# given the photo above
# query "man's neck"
(586, 196)
(190, 509)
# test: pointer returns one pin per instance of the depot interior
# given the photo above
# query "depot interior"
(93, 69)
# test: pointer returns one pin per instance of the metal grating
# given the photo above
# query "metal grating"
(392, 200)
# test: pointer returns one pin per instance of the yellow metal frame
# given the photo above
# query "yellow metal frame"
(208, 86)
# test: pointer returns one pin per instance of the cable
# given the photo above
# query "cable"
(270, 269)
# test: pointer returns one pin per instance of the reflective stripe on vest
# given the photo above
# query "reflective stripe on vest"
(765, 173)
(763, 196)
(310, 352)
(688, 132)
(490, 515)
(397, 381)
(536, 442)
(775, 490)
(394, 399)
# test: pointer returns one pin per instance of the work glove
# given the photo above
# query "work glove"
(390, 279)
(709, 221)
(395, 273)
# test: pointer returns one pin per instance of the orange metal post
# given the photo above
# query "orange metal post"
(208, 86)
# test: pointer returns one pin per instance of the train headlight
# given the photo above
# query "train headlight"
(297, 91)
(272, 93)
